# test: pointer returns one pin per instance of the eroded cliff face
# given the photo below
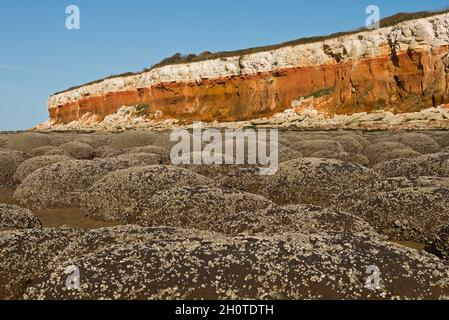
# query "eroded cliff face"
(404, 68)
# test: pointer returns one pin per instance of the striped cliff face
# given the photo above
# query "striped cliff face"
(401, 69)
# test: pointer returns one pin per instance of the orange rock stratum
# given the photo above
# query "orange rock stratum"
(403, 68)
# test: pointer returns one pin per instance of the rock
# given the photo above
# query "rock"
(304, 219)
(351, 144)
(286, 154)
(15, 218)
(59, 140)
(43, 151)
(29, 166)
(9, 162)
(313, 181)
(146, 159)
(260, 122)
(359, 87)
(309, 147)
(123, 195)
(385, 151)
(95, 140)
(107, 152)
(198, 207)
(150, 149)
(440, 241)
(410, 214)
(359, 192)
(78, 150)
(385, 136)
(38, 252)
(3, 141)
(129, 139)
(297, 103)
(414, 116)
(392, 119)
(433, 114)
(294, 137)
(241, 177)
(61, 185)
(56, 151)
(426, 165)
(358, 159)
(329, 154)
(168, 263)
(444, 140)
(28, 141)
(420, 143)
(163, 141)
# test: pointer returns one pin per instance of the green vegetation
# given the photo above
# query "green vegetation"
(179, 58)
(321, 93)
(142, 109)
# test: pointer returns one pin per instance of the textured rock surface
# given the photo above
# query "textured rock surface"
(409, 214)
(27, 141)
(440, 241)
(16, 218)
(384, 151)
(290, 219)
(313, 181)
(9, 162)
(198, 207)
(78, 150)
(161, 263)
(131, 139)
(123, 195)
(359, 192)
(61, 185)
(309, 147)
(342, 217)
(144, 158)
(29, 166)
(427, 165)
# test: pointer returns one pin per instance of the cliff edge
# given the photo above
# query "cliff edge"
(400, 69)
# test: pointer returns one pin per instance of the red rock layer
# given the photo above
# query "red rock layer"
(404, 82)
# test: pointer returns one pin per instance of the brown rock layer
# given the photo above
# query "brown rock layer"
(404, 82)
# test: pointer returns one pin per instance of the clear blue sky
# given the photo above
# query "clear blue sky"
(39, 56)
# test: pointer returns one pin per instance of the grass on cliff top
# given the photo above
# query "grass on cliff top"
(179, 58)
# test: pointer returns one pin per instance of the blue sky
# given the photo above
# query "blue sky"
(39, 56)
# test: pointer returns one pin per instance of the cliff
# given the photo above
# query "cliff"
(402, 68)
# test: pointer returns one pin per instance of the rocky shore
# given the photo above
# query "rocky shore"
(302, 115)
(112, 207)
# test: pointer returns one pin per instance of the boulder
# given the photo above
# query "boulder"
(78, 150)
(426, 165)
(29, 166)
(16, 218)
(129, 139)
(313, 181)
(409, 214)
(9, 162)
(61, 185)
(198, 207)
(123, 195)
(28, 141)
(167, 263)
(385, 151)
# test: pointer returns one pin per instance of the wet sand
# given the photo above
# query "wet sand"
(6, 195)
(411, 245)
(54, 218)
(70, 217)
